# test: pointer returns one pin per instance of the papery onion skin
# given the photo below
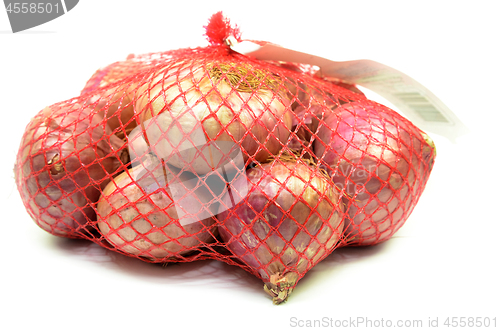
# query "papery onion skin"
(290, 220)
(63, 163)
(381, 161)
(138, 215)
(185, 108)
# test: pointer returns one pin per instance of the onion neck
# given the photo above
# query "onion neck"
(280, 287)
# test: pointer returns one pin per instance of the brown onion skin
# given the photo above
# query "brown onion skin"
(138, 215)
(112, 95)
(381, 161)
(64, 162)
(284, 225)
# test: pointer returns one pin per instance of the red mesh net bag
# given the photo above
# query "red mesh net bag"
(206, 153)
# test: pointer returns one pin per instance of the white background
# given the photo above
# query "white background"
(442, 263)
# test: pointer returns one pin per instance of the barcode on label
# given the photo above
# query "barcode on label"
(421, 105)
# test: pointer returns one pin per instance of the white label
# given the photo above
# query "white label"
(415, 101)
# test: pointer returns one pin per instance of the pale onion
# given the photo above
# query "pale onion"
(200, 115)
(155, 212)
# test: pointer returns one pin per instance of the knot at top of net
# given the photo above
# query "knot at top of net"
(219, 29)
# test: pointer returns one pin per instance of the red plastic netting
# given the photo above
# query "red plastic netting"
(205, 153)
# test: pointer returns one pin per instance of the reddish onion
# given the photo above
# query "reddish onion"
(308, 102)
(382, 162)
(312, 101)
(63, 163)
(287, 216)
(157, 212)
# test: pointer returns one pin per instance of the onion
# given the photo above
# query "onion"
(157, 212)
(115, 104)
(198, 115)
(63, 164)
(284, 218)
(382, 163)
(313, 100)
(308, 102)
(113, 89)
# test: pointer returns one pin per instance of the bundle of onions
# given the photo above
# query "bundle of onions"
(283, 218)
(156, 212)
(198, 114)
(65, 159)
(380, 160)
